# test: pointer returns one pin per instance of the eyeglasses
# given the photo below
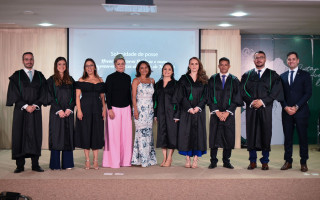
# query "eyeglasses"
(89, 65)
(259, 58)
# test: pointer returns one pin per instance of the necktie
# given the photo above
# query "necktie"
(223, 80)
(259, 73)
(30, 75)
(291, 77)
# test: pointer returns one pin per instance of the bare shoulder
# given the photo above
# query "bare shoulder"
(81, 80)
(135, 81)
(101, 80)
(152, 80)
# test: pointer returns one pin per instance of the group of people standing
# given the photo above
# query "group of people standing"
(178, 107)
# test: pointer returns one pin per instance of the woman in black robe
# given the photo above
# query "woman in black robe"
(191, 95)
(91, 112)
(61, 96)
(165, 112)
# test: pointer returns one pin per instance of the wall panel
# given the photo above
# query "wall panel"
(46, 45)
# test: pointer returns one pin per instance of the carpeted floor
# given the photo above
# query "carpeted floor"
(175, 182)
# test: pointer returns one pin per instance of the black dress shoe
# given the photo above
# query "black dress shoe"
(265, 166)
(212, 165)
(304, 168)
(228, 165)
(18, 170)
(252, 165)
(286, 166)
(37, 169)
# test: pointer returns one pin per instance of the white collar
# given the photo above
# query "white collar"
(27, 70)
(227, 74)
(295, 69)
(262, 70)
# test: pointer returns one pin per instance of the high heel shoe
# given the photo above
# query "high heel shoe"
(188, 164)
(95, 164)
(167, 163)
(195, 163)
(87, 165)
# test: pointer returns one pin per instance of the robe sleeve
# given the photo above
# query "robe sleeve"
(246, 98)
(73, 101)
(176, 106)
(276, 92)
(55, 107)
(283, 102)
(13, 94)
(203, 101)
(181, 96)
(42, 98)
(236, 97)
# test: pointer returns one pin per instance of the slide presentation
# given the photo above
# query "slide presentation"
(154, 46)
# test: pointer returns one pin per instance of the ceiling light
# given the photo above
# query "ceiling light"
(225, 25)
(28, 12)
(130, 8)
(135, 14)
(239, 14)
(45, 24)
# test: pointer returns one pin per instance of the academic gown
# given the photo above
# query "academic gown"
(61, 129)
(222, 133)
(259, 122)
(26, 127)
(166, 111)
(192, 127)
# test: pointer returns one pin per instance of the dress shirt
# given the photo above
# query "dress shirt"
(294, 74)
(27, 72)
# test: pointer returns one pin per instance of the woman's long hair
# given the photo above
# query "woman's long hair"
(66, 79)
(138, 74)
(85, 74)
(201, 74)
(170, 64)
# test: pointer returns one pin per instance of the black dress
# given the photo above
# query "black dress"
(192, 137)
(166, 111)
(26, 127)
(259, 121)
(222, 133)
(61, 130)
(90, 130)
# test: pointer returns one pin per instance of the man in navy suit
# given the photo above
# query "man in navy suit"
(297, 88)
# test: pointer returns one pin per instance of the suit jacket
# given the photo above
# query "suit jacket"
(298, 93)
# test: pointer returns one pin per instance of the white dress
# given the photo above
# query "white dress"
(143, 147)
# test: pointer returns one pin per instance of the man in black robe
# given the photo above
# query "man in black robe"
(224, 97)
(27, 91)
(259, 88)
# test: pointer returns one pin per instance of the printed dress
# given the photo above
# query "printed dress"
(143, 147)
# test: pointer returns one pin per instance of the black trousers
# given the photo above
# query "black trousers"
(289, 123)
(21, 161)
(225, 155)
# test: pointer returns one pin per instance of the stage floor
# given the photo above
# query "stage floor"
(239, 159)
(165, 179)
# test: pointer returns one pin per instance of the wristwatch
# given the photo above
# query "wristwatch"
(297, 107)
